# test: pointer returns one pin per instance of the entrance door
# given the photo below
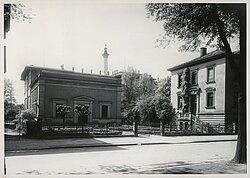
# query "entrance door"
(193, 104)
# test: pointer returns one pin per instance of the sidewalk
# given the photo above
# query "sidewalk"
(40, 144)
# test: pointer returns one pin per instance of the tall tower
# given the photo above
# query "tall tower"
(105, 56)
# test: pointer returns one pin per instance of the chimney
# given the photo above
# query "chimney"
(203, 51)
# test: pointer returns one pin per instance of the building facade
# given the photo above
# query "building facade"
(213, 94)
(45, 88)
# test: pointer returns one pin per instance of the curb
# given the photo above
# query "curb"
(121, 144)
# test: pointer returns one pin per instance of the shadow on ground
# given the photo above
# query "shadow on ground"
(221, 167)
(56, 146)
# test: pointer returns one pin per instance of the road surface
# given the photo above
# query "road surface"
(146, 159)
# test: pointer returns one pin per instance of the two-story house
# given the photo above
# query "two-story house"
(213, 94)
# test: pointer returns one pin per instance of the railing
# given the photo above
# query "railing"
(198, 126)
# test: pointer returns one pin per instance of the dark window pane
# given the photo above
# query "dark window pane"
(194, 77)
(210, 99)
(179, 102)
(210, 74)
(179, 80)
(104, 111)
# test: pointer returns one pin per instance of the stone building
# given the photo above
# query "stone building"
(45, 88)
(213, 93)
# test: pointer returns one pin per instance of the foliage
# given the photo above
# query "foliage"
(146, 85)
(157, 106)
(82, 111)
(11, 108)
(164, 109)
(137, 90)
(146, 109)
(17, 12)
(62, 110)
(27, 115)
(9, 91)
(185, 85)
(164, 88)
(195, 23)
(134, 114)
(130, 92)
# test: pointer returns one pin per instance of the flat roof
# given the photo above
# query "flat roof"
(63, 71)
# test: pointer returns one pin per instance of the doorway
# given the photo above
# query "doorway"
(193, 104)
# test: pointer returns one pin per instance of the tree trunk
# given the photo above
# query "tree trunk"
(162, 128)
(241, 153)
(135, 128)
(63, 122)
(240, 77)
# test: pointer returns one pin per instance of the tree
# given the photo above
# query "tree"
(130, 93)
(164, 88)
(83, 112)
(62, 111)
(162, 102)
(146, 85)
(164, 111)
(134, 116)
(10, 109)
(146, 109)
(215, 23)
(17, 12)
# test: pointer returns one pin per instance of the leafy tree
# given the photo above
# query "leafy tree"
(83, 111)
(164, 88)
(10, 109)
(24, 116)
(146, 85)
(146, 109)
(136, 88)
(216, 24)
(9, 91)
(62, 111)
(164, 111)
(17, 12)
(134, 116)
(130, 93)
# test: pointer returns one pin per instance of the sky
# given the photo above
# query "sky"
(75, 34)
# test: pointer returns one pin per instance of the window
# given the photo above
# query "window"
(210, 74)
(210, 99)
(179, 80)
(179, 102)
(210, 94)
(194, 78)
(57, 104)
(105, 110)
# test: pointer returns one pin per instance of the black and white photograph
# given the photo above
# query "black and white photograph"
(124, 88)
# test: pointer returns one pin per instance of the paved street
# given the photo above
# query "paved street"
(138, 159)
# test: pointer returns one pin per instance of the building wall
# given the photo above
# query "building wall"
(213, 116)
(51, 88)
